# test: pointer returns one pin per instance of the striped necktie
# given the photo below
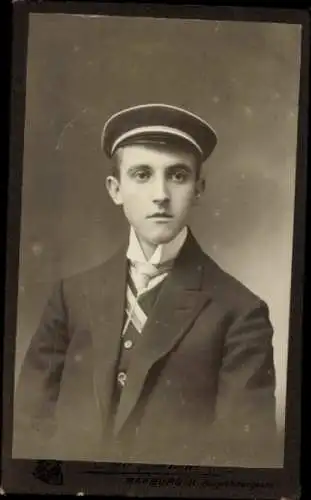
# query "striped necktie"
(145, 276)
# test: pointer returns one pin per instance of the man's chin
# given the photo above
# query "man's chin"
(161, 236)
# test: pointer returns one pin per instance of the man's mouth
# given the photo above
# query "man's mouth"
(160, 215)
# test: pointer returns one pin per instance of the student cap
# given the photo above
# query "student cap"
(158, 123)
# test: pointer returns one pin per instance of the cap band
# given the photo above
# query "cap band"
(155, 129)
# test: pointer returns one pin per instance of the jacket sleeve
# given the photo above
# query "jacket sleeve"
(39, 381)
(245, 430)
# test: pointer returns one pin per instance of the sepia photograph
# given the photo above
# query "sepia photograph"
(154, 292)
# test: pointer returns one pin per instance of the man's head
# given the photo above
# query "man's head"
(157, 185)
(157, 152)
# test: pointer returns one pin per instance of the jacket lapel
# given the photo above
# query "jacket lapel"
(105, 303)
(179, 303)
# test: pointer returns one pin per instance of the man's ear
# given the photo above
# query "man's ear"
(199, 189)
(113, 188)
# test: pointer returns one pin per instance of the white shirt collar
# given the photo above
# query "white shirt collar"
(163, 252)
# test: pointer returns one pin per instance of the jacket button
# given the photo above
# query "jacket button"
(122, 378)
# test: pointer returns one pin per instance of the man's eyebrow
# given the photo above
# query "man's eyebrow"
(138, 166)
(174, 166)
(181, 166)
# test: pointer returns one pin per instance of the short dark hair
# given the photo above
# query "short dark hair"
(115, 164)
(115, 160)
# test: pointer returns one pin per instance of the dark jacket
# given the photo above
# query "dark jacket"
(201, 383)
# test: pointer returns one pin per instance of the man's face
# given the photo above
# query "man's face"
(157, 187)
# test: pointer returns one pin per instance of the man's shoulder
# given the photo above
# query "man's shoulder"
(94, 272)
(225, 286)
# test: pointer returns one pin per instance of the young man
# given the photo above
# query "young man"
(158, 355)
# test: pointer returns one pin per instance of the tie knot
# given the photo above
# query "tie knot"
(152, 270)
(145, 271)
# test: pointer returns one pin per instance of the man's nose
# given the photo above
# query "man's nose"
(160, 192)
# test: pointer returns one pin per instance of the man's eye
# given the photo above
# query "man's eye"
(142, 175)
(179, 176)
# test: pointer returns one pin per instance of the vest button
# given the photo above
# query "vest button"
(128, 344)
(122, 378)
